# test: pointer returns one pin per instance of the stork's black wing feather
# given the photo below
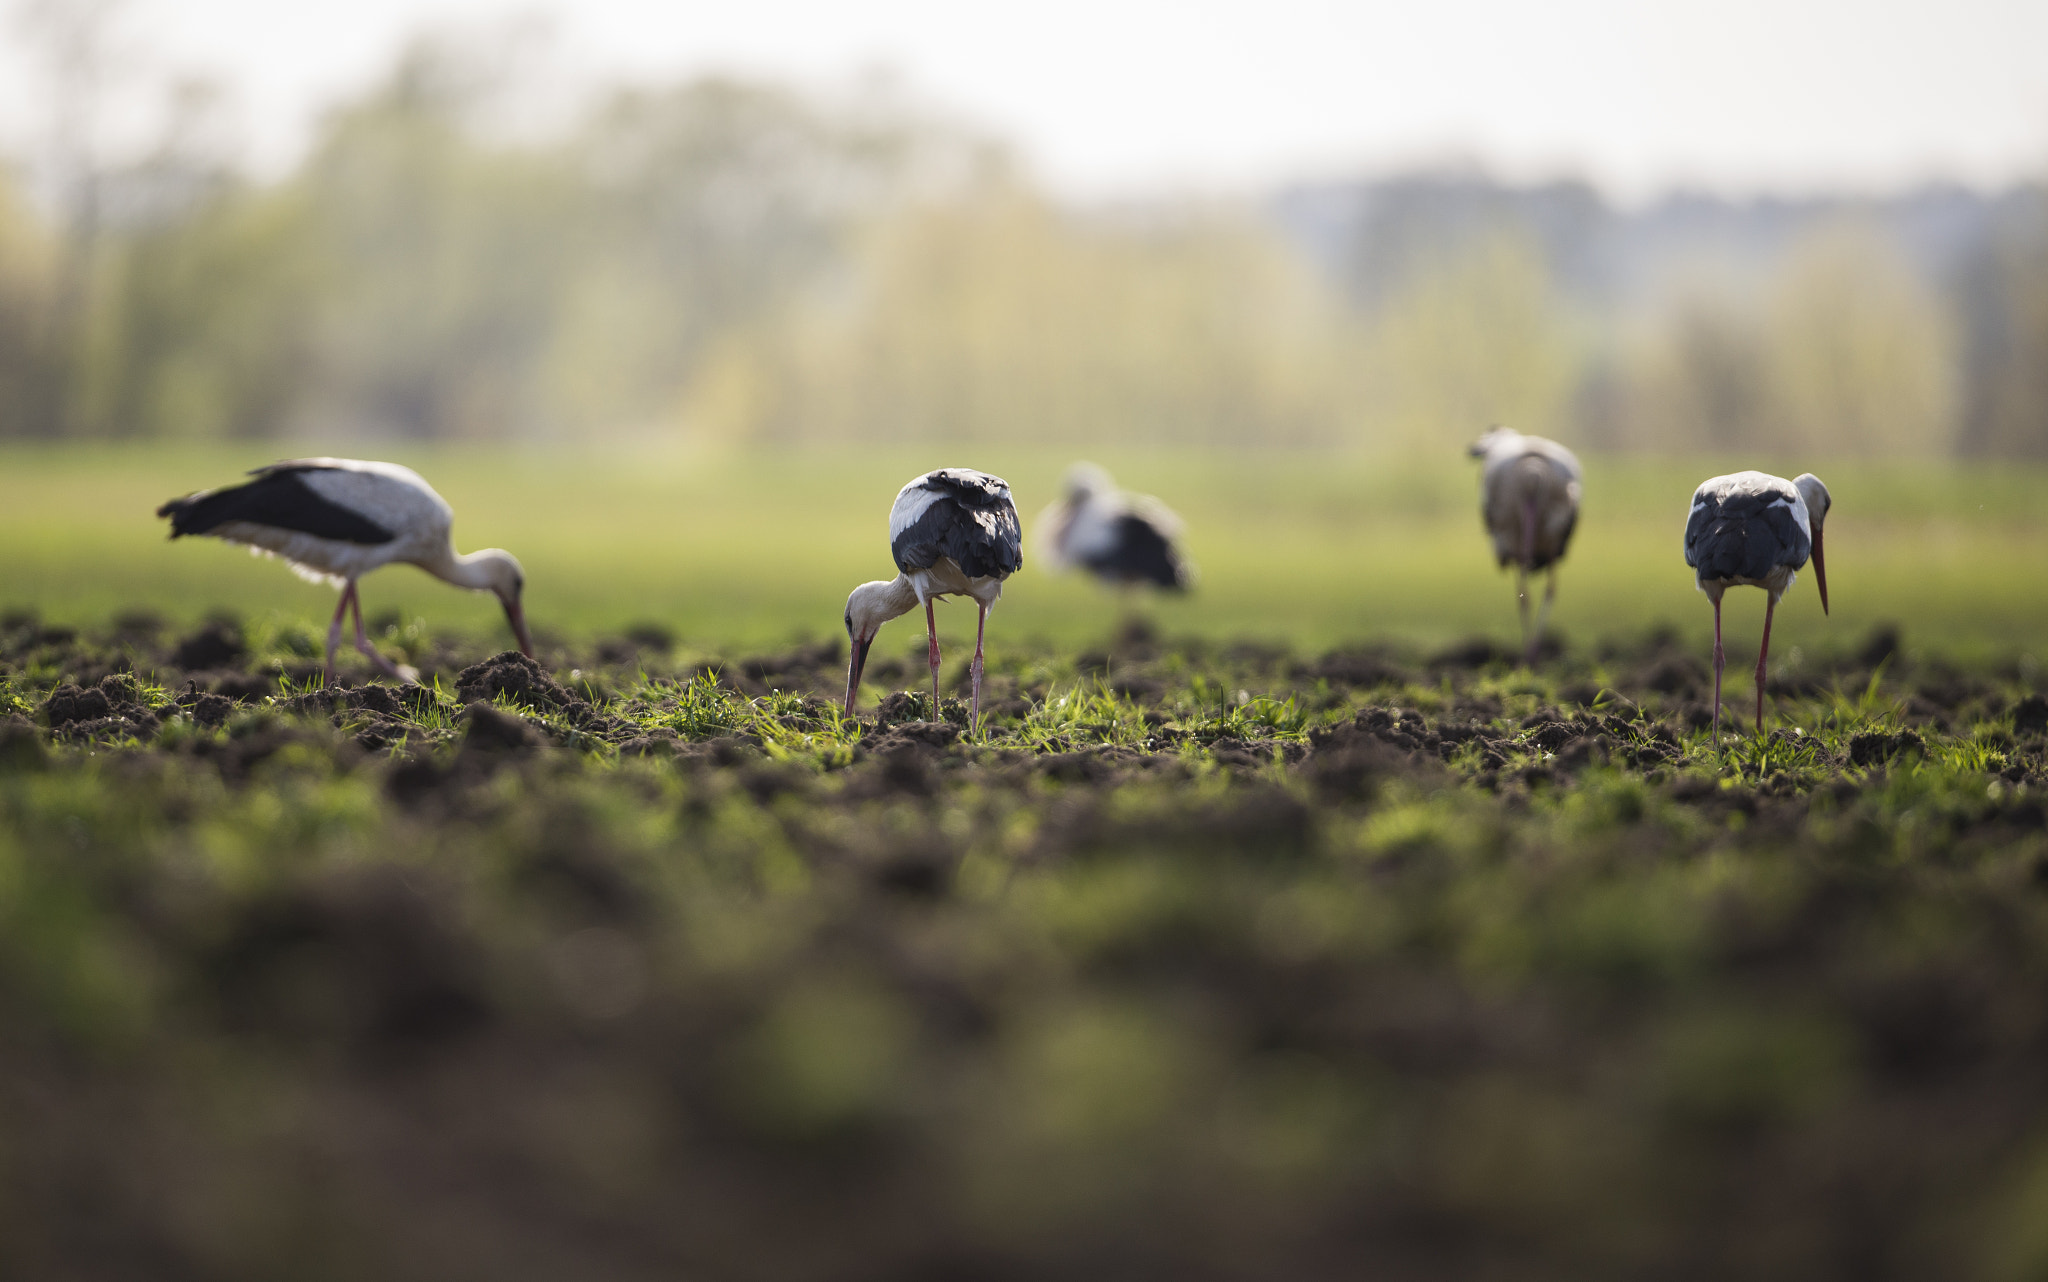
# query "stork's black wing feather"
(279, 498)
(1743, 536)
(969, 518)
(1140, 553)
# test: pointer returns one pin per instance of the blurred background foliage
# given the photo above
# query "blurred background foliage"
(727, 261)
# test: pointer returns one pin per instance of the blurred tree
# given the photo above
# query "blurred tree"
(1475, 337)
(2005, 293)
(30, 351)
(714, 204)
(202, 327)
(998, 317)
(443, 261)
(1860, 353)
(1699, 381)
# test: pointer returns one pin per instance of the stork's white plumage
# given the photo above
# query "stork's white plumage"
(1121, 539)
(953, 532)
(1529, 498)
(1755, 530)
(334, 520)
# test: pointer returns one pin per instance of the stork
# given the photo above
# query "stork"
(1529, 498)
(1750, 528)
(953, 532)
(1121, 539)
(333, 520)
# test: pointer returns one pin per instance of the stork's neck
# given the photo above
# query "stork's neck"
(472, 570)
(898, 597)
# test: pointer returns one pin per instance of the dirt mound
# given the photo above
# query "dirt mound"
(108, 708)
(2030, 715)
(217, 645)
(517, 678)
(488, 729)
(1877, 747)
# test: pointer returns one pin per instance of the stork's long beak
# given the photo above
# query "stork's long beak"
(1820, 572)
(854, 663)
(515, 614)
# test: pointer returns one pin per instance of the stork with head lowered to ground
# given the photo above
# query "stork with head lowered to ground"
(953, 532)
(1749, 528)
(333, 520)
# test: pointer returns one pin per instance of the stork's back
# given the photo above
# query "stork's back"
(1531, 504)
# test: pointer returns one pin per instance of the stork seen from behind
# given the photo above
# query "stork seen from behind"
(953, 532)
(1122, 539)
(1749, 528)
(334, 520)
(1529, 494)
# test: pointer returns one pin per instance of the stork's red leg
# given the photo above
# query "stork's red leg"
(931, 632)
(974, 671)
(1720, 662)
(370, 652)
(348, 592)
(1769, 608)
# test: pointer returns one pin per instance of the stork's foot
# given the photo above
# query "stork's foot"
(403, 673)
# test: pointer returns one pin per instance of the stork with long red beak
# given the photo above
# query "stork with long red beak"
(953, 532)
(1750, 528)
(333, 520)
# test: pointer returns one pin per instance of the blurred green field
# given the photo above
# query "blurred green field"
(746, 549)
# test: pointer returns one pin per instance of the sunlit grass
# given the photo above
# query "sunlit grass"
(738, 550)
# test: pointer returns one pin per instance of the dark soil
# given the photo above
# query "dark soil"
(1195, 961)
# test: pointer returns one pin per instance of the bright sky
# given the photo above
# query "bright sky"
(1110, 97)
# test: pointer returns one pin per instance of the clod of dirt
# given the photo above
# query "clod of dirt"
(400, 980)
(412, 782)
(1476, 652)
(909, 764)
(69, 703)
(491, 730)
(903, 706)
(2030, 715)
(1675, 674)
(658, 744)
(652, 636)
(376, 698)
(245, 687)
(1363, 669)
(725, 750)
(206, 709)
(1877, 747)
(917, 870)
(1882, 643)
(802, 661)
(21, 748)
(1554, 735)
(938, 734)
(138, 625)
(217, 645)
(515, 676)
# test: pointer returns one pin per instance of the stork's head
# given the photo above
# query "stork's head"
(1494, 435)
(1818, 501)
(498, 572)
(867, 609)
(1086, 479)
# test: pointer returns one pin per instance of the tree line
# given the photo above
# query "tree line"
(740, 261)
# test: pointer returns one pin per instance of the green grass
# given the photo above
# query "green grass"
(752, 549)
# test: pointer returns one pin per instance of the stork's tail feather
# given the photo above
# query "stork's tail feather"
(176, 509)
